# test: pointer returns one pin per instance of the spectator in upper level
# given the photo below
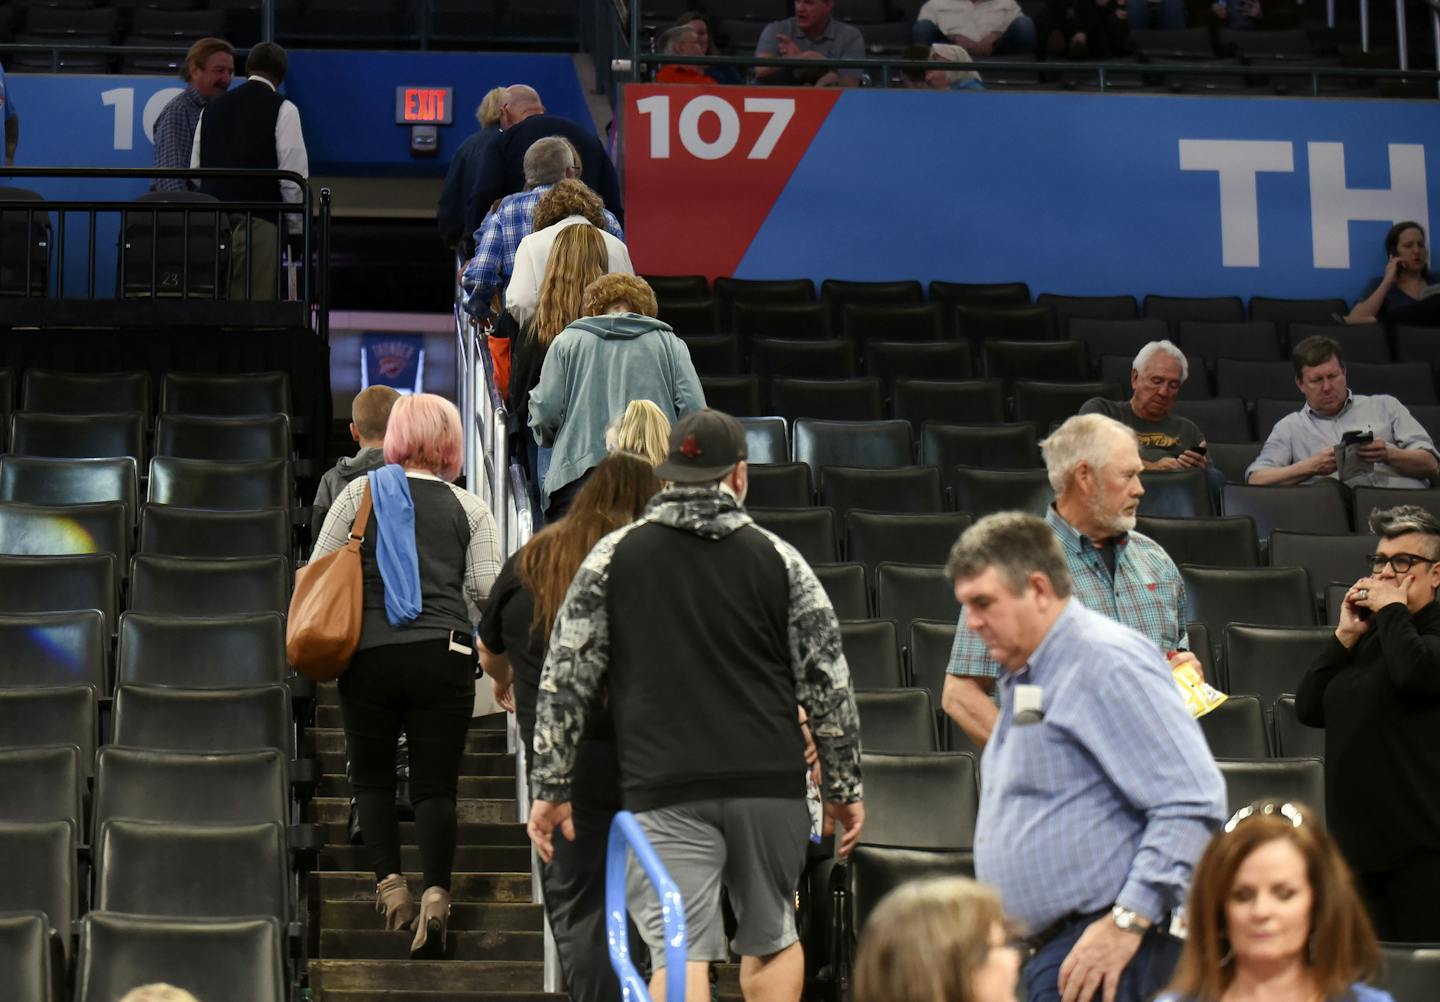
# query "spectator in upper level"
(12, 122)
(454, 207)
(1086, 29)
(1407, 275)
(524, 120)
(980, 27)
(569, 202)
(705, 31)
(1302, 445)
(813, 33)
(682, 41)
(940, 79)
(207, 71)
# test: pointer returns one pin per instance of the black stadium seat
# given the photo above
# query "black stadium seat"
(53, 392)
(200, 532)
(906, 592)
(1409, 382)
(978, 324)
(898, 721)
(1317, 507)
(37, 717)
(61, 584)
(714, 354)
(45, 530)
(1223, 541)
(1365, 343)
(872, 537)
(981, 492)
(679, 286)
(927, 801)
(911, 489)
(785, 320)
(204, 483)
(1344, 558)
(735, 395)
(767, 439)
(892, 360)
(1292, 738)
(969, 401)
(1233, 459)
(1270, 661)
(1251, 381)
(1220, 419)
(165, 718)
(929, 644)
(733, 291)
(40, 858)
(27, 958)
(1046, 361)
(1176, 494)
(792, 358)
(1410, 973)
(875, 871)
(190, 787)
(1285, 312)
(866, 322)
(980, 293)
(1069, 308)
(1236, 728)
(55, 648)
(811, 531)
(780, 485)
(690, 318)
(41, 784)
(837, 294)
(226, 396)
(827, 399)
(993, 446)
(186, 586)
(1218, 596)
(872, 650)
(36, 480)
(852, 443)
(1209, 309)
(218, 960)
(1122, 338)
(1046, 405)
(180, 651)
(78, 436)
(224, 439)
(1256, 340)
(1297, 780)
(846, 587)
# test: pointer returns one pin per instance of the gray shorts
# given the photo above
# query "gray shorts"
(754, 846)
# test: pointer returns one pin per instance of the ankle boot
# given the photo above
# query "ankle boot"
(393, 900)
(429, 941)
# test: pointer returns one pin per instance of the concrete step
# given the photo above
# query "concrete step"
(332, 763)
(471, 787)
(377, 944)
(477, 858)
(465, 916)
(327, 714)
(331, 738)
(358, 885)
(512, 834)
(336, 810)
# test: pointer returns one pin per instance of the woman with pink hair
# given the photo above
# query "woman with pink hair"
(429, 556)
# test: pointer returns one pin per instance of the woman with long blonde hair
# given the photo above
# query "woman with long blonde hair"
(642, 429)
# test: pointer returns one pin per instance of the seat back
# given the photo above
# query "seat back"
(872, 537)
(163, 718)
(920, 801)
(980, 293)
(1328, 559)
(190, 787)
(1219, 596)
(904, 592)
(863, 322)
(852, 443)
(1222, 419)
(738, 396)
(839, 294)
(1410, 974)
(61, 584)
(981, 492)
(252, 393)
(201, 532)
(175, 253)
(1256, 340)
(827, 399)
(1002, 446)
(41, 784)
(1236, 728)
(78, 436)
(1223, 541)
(892, 360)
(166, 650)
(1297, 780)
(968, 401)
(1270, 661)
(37, 480)
(977, 324)
(767, 439)
(681, 287)
(55, 648)
(224, 439)
(899, 721)
(1176, 494)
(1233, 459)
(1409, 382)
(1251, 381)
(218, 960)
(875, 871)
(845, 586)
(1046, 405)
(1284, 312)
(803, 358)
(25, 954)
(780, 485)
(1069, 308)
(872, 650)
(1292, 738)
(787, 320)
(1211, 309)
(691, 318)
(1121, 338)
(204, 483)
(40, 858)
(1368, 499)
(29, 530)
(1318, 507)
(810, 530)
(187, 586)
(1047, 361)
(930, 643)
(732, 291)
(36, 716)
(51, 392)
(914, 489)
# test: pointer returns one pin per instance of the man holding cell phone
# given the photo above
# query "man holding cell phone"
(1328, 436)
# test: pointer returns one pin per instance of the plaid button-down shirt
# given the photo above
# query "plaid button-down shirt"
(496, 240)
(174, 136)
(1146, 594)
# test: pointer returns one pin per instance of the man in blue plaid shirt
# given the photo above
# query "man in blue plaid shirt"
(1094, 466)
(547, 162)
(207, 71)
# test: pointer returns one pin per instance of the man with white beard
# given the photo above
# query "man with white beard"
(1094, 466)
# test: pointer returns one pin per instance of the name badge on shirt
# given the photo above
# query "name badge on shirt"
(1029, 700)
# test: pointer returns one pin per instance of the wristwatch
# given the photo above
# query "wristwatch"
(1127, 921)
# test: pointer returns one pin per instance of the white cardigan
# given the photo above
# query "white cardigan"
(522, 295)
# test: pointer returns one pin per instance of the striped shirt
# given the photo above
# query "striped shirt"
(1111, 796)
(1146, 594)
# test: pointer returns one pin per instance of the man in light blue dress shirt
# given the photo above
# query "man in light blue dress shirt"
(1302, 445)
(1100, 792)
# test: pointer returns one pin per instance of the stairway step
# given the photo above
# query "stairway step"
(331, 738)
(471, 787)
(465, 916)
(478, 858)
(377, 944)
(410, 977)
(327, 714)
(332, 763)
(336, 810)
(359, 885)
(499, 834)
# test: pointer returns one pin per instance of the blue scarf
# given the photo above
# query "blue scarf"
(395, 543)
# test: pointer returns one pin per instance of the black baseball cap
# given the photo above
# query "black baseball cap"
(704, 446)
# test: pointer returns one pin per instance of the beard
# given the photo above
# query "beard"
(1114, 522)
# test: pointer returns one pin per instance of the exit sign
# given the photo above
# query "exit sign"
(423, 106)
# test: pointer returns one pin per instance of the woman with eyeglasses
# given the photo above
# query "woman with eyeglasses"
(1376, 691)
(942, 940)
(1273, 915)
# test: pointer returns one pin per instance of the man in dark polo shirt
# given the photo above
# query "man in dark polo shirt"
(813, 33)
(253, 126)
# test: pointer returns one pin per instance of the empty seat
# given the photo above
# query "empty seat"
(1369, 499)
(978, 324)
(691, 317)
(165, 650)
(1269, 413)
(920, 801)
(45, 530)
(1410, 973)
(26, 957)
(827, 399)
(177, 252)
(204, 483)
(218, 960)
(1218, 596)
(1270, 661)
(1293, 780)
(1070, 308)
(1417, 344)
(784, 320)
(980, 293)
(225, 439)
(1045, 361)
(767, 439)
(78, 436)
(872, 537)
(905, 592)
(1316, 507)
(1221, 419)
(973, 401)
(40, 860)
(809, 360)
(52, 392)
(41, 784)
(195, 871)
(981, 492)
(41, 716)
(36, 480)
(999, 446)
(810, 530)
(738, 396)
(25, 233)
(1251, 381)
(199, 532)
(1255, 340)
(1236, 728)
(1232, 458)
(1198, 637)
(667, 287)
(1344, 558)
(186, 586)
(714, 354)
(247, 787)
(1284, 312)
(1292, 738)
(872, 650)
(862, 322)
(780, 485)
(248, 394)
(1176, 493)
(61, 584)
(898, 721)
(875, 871)
(1122, 338)
(1045, 405)
(914, 489)
(55, 648)
(733, 291)
(165, 718)
(839, 293)
(892, 360)
(928, 651)
(1358, 342)
(846, 588)
(852, 443)
(1409, 382)
(1223, 541)
(1207, 309)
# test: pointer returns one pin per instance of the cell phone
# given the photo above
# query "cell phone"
(1198, 448)
(1357, 437)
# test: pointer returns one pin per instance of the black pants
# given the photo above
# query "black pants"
(1402, 901)
(563, 497)
(429, 691)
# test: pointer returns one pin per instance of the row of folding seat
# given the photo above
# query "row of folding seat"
(56, 392)
(183, 436)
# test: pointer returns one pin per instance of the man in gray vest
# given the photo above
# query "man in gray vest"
(252, 126)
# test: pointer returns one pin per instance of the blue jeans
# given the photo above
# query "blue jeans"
(1147, 973)
(1020, 39)
(1142, 14)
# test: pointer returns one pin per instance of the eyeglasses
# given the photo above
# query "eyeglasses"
(1402, 562)
(1287, 810)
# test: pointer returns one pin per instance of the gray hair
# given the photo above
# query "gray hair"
(1388, 523)
(1016, 545)
(158, 992)
(547, 160)
(1084, 438)
(673, 37)
(1168, 347)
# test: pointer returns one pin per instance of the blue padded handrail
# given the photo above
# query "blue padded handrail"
(625, 836)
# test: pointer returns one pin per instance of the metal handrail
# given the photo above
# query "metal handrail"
(626, 837)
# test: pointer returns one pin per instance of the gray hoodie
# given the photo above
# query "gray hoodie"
(593, 370)
(346, 470)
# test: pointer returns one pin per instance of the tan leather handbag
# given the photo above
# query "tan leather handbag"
(326, 607)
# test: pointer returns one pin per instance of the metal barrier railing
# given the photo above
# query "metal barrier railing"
(626, 837)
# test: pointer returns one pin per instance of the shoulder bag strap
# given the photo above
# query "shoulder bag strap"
(362, 516)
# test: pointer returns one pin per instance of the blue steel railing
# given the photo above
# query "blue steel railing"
(625, 837)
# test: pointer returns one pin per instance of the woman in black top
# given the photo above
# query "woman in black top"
(1376, 691)
(513, 634)
(1407, 275)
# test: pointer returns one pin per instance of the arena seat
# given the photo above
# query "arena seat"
(811, 531)
(1219, 596)
(691, 318)
(1232, 458)
(237, 788)
(909, 489)
(38, 480)
(979, 293)
(767, 439)
(897, 721)
(45, 716)
(889, 361)
(928, 651)
(1327, 558)
(26, 242)
(223, 439)
(1334, 599)
(1198, 635)
(802, 358)
(837, 294)
(976, 325)
(1285, 312)
(735, 395)
(866, 322)
(78, 436)
(1409, 382)
(872, 537)
(875, 871)
(713, 354)
(1221, 541)
(733, 291)
(1176, 310)
(1269, 661)
(170, 531)
(852, 443)
(42, 784)
(218, 960)
(827, 399)
(1317, 507)
(678, 287)
(780, 320)
(1070, 308)
(906, 592)
(996, 446)
(246, 394)
(1410, 973)
(1296, 780)
(981, 491)
(1046, 361)
(1256, 340)
(40, 860)
(1269, 413)
(55, 648)
(223, 486)
(1367, 499)
(971, 401)
(188, 586)
(1292, 738)
(180, 651)
(51, 392)
(920, 801)
(185, 263)
(1417, 344)
(780, 485)
(28, 965)
(1220, 419)
(61, 584)
(1251, 381)
(872, 650)
(845, 584)
(1123, 338)
(165, 718)
(1046, 405)
(31, 530)
(1236, 728)
(1176, 494)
